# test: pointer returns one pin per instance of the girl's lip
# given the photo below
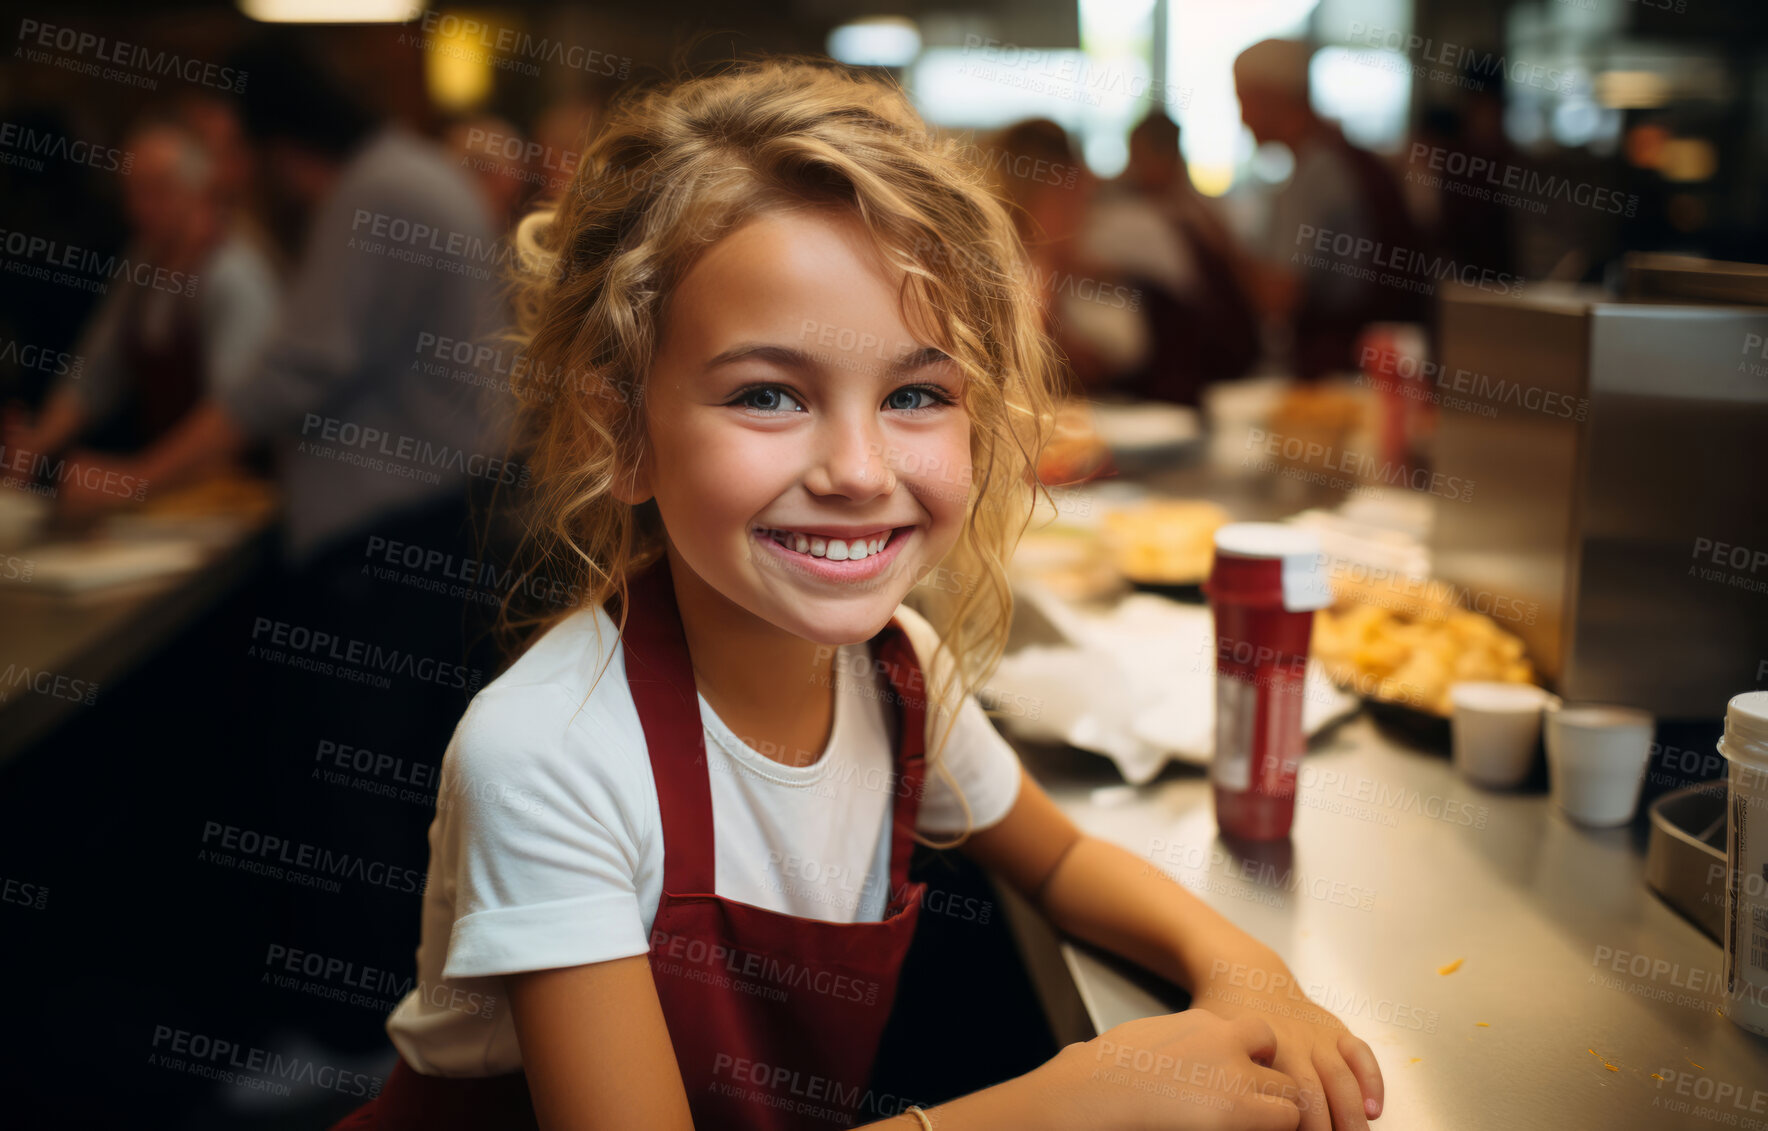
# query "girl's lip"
(845, 533)
(868, 567)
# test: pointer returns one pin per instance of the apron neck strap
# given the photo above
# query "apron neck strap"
(660, 675)
(661, 678)
(893, 651)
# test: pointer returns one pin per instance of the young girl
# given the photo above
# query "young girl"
(785, 366)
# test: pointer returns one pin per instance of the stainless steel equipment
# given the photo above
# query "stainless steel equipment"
(1685, 855)
(1619, 454)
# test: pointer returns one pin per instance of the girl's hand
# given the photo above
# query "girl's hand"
(1190, 1070)
(1341, 1086)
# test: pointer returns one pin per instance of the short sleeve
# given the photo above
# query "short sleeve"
(986, 770)
(540, 837)
(981, 763)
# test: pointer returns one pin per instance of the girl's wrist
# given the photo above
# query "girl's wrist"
(1039, 1100)
(1232, 962)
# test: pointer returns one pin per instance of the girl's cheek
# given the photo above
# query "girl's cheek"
(740, 462)
(940, 475)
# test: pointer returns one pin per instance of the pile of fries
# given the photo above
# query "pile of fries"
(1412, 656)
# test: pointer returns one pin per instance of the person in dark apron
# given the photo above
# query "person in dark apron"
(712, 1020)
(169, 371)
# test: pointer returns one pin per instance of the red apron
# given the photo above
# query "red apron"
(168, 376)
(775, 1020)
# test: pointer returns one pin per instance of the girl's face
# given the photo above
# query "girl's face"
(810, 456)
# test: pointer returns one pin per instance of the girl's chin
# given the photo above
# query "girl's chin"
(835, 623)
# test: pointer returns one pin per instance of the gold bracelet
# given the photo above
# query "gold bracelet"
(915, 1110)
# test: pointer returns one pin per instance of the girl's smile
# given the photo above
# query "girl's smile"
(834, 553)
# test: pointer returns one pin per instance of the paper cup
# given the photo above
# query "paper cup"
(1596, 758)
(1495, 729)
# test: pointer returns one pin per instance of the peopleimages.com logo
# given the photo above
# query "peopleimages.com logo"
(27, 148)
(137, 60)
(410, 451)
(56, 363)
(280, 641)
(1458, 61)
(508, 48)
(1404, 268)
(1501, 182)
(52, 261)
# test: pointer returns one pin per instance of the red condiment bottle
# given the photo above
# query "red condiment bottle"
(1266, 582)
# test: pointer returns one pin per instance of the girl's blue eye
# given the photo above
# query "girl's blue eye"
(933, 394)
(767, 398)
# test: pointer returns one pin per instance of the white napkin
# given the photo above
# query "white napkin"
(1136, 683)
(77, 567)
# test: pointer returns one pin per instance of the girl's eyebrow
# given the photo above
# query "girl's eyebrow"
(919, 359)
(791, 357)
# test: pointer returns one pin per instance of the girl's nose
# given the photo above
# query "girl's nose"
(852, 460)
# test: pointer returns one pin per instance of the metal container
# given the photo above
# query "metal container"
(1685, 857)
(1618, 519)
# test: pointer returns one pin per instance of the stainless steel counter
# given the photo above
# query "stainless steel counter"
(1396, 868)
(97, 639)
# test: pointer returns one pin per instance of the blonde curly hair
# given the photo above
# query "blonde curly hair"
(669, 171)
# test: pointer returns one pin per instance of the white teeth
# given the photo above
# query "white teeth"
(832, 549)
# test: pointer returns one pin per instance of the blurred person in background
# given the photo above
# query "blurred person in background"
(375, 446)
(1049, 191)
(369, 282)
(151, 354)
(61, 201)
(1152, 228)
(216, 121)
(1462, 226)
(483, 145)
(1337, 191)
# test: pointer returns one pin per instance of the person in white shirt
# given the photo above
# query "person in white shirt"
(1339, 197)
(1196, 321)
(152, 352)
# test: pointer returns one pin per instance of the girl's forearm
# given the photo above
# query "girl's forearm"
(1110, 897)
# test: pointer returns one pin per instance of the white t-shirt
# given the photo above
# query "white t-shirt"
(547, 851)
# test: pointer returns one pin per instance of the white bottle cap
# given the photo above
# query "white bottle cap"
(1746, 728)
(1304, 582)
